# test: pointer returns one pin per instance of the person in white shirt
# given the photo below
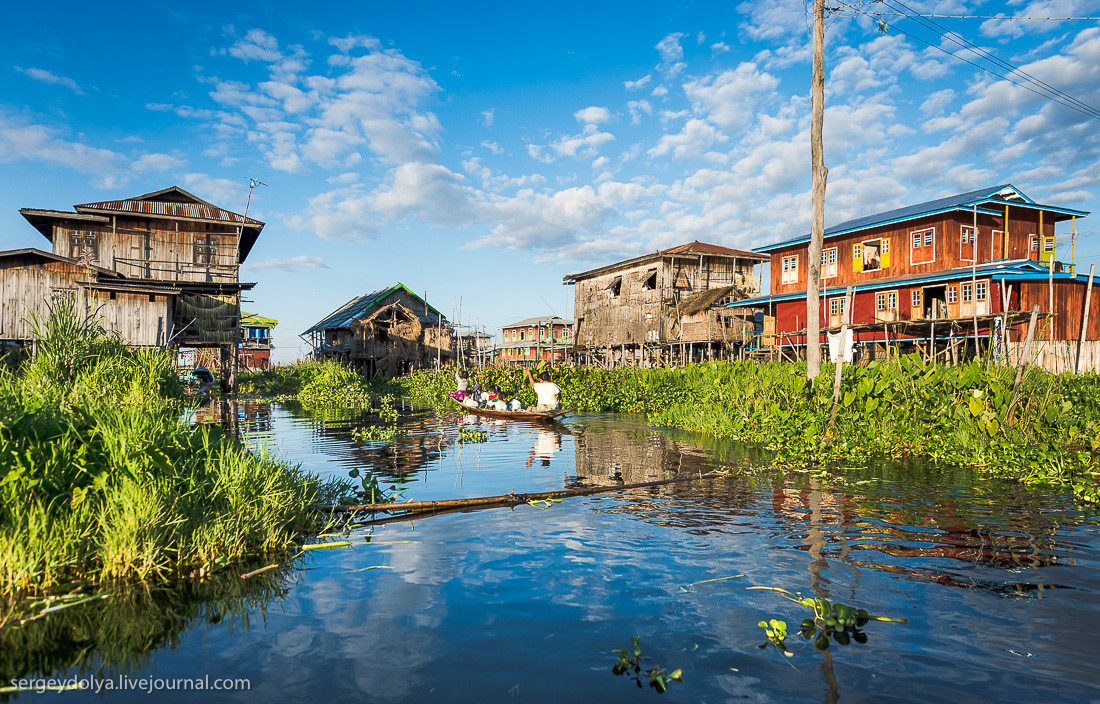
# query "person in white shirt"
(515, 405)
(549, 393)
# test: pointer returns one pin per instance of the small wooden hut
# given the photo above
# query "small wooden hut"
(389, 332)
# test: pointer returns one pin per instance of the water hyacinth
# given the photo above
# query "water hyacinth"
(105, 482)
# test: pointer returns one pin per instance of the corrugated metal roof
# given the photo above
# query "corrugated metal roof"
(356, 308)
(531, 322)
(1003, 194)
(705, 248)
(689, 248)
(196, 211)
(251, 320)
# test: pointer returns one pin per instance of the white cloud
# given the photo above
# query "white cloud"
(222, 192)
(719, 48)
(40, 74)
(22, 141)
(672, 54)
(730, 98)
(696, 136)
(587, 143)
(487, 117)
(290, 264)
(157, 162)
(637, 108)
(493, 147)
(592, 115)
(257, 45)
(659, 92)
(638, 84)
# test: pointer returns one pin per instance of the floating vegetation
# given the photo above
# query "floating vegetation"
(839, 622)
(104, 481)
(543, 503)
(472, 435)
(630, 663)
(376, 432)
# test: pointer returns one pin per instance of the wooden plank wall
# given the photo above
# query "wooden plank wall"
(949, 253)
(156, 249)
(142, 319)
(28, 288)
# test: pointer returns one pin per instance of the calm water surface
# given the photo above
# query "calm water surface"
(1001, 585)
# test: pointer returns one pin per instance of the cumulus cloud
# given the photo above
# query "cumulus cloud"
(593, 115)
(695, 138)
(729, 99)
(20, 140)
(638, 84)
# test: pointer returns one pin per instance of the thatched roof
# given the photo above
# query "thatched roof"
(699, 302)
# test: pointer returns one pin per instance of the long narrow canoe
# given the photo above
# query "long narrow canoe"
(513, 415)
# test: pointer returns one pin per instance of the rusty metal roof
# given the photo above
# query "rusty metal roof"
(195, 211)
(684, 249)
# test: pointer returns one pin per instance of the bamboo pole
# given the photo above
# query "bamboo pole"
(841, 350)
(1023, 358)
(1084, 321)
(511, 499)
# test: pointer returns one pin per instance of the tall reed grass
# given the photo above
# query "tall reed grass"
(102, 479)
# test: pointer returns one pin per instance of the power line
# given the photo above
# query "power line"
(1047, 91)
(963, 41)
(855, 9)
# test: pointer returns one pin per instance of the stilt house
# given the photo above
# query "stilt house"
(936, 276)
(663, 307)
(388, 332)
(160, 268)
(534, 340)
(255, 348)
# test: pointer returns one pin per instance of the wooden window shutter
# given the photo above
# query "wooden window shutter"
(884, 254)
(857, 258)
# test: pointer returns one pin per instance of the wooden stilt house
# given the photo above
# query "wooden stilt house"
(160, 268)
(665, 307)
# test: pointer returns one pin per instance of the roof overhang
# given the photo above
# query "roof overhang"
(570, 279)
(1006, 269)
(42, 257)
(43, 220)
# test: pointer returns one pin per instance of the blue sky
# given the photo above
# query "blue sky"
(482, 151)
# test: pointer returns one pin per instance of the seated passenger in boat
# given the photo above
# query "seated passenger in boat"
(497, 402)
(462, 384)
(515, 405)
(470, 401)
(549, 393)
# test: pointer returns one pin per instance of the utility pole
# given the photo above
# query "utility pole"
(819, 173)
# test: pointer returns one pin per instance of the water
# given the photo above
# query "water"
(999, 584)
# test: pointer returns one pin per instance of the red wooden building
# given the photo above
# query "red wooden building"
(922, 274)
(536, 339)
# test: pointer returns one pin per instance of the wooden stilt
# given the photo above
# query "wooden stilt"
(1084, 322)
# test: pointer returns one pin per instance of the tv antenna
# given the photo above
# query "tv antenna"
(252, 183)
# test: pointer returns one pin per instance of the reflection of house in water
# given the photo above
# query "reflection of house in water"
(830, 522)
(416, 447)
(606, 456)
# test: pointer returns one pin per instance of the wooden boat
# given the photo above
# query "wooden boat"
(514, 415)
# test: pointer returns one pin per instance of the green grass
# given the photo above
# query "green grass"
(103, 481)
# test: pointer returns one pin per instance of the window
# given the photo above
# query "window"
(616, 286)
(790, 270)
(79, 241)
(980, 291)
(828, 263)
(835, 306)
(650, 281)
(880, 301)
(952, 294)
(206, 250)
(892, 300)
(967, 243)
(542, 333)
(967, 293)
(522, 334)
(916, 298)
(871, 255)
(922, 246)
(1033, 243)
(1048, 244)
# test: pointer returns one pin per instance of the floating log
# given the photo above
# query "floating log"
(512, 499)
